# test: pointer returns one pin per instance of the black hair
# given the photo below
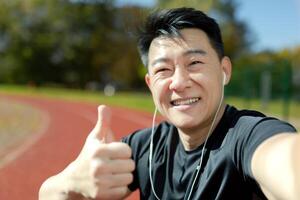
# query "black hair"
(169, 22)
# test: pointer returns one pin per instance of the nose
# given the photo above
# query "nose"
(180, 80)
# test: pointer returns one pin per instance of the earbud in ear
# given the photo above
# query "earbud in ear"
(224, 78)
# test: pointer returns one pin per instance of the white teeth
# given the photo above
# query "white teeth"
(185, 101)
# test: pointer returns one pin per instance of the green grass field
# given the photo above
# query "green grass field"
(142, 101)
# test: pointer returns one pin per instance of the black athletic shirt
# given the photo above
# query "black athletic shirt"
(226, 169)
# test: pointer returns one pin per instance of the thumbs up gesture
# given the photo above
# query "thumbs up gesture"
(103, 168)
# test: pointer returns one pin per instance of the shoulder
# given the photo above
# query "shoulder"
(251, 120)
(247, 129)
(237, 117)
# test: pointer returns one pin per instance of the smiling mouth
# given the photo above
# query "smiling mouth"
(189, 101)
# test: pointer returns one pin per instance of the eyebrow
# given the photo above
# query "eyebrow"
(158, 60)
(195, 51)
(188, 52)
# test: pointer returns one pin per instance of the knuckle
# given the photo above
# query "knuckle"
(102, 183)
(129, 178)
(100, 151)
(131, 165)
(119, 150)
(127, 152)
(102, 168)
(122, 192)
(99, 166)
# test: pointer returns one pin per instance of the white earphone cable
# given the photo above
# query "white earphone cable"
(206, 139)
(151, 153)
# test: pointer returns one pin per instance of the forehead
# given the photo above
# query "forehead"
(191, 39)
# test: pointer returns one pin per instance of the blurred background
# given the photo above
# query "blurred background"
(90, 46)
(59, 59)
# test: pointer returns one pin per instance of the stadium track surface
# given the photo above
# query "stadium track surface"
(59, 140)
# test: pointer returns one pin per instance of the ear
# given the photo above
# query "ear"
(148, 81)
(227, 69)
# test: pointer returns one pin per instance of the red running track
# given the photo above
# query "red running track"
(67, 125)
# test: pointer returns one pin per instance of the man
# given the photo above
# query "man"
(205, 150)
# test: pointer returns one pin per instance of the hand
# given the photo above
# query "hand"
(103, 167)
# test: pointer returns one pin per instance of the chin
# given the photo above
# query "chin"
(185, 124)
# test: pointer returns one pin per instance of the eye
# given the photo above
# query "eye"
(195, 62)
(161, 70)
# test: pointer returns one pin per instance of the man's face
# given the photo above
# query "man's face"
(185, 77)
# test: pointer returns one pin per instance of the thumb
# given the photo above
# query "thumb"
(102, 129)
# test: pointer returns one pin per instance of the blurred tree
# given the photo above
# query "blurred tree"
(293, 55)
(59, 41)
(248, 70)
(69, 42)
(204, 5)
(87, 44)
(125, 69)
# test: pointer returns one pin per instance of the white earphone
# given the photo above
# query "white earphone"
(224, 78)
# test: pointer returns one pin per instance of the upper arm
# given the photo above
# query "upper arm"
(276, 167)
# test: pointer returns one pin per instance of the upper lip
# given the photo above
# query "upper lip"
(187, 100)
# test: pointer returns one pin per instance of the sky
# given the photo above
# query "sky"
(274, 24)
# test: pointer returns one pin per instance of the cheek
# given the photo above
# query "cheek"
(199, 79)
(214, 92)
(159, 89)
(209, 85)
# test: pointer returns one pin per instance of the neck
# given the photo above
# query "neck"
(193, 137)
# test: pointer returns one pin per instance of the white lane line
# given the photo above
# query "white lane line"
(29, 141)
